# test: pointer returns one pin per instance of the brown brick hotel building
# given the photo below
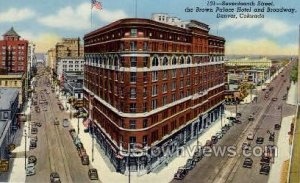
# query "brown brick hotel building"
(151, 84)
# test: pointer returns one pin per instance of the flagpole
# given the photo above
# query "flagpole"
(91, 14)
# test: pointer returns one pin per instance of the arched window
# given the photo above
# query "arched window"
(100, 60)
(188, 60)
(174, 61)
(116, 61)
(110, 61)
(165, 61)
(181, 60)
(105, 60)
(155, 61)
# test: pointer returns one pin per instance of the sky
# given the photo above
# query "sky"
(45, 22)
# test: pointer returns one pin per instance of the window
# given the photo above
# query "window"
(188, 60)
(133, 46)
(154, 136)
(165, 61)
(133, 61)
(165, 100)
(181, 60)
(132, 141)
(154, 103)
(154, 90)
(181, 95)
(133, 32)
(165, 74)
(145, 47)
(164, 87)
(181, 83)
(173, 97)
(154, 76)
(133, 77)
(132, 93)
(145, 92)
(174, 61)
(173, 85)
(132, 124)
(155, 61)
(145, 106)
(132, 107)
(173, 73)
(145, 61)
(5, 115)
(145, 77)
(145, 123)
(145, 140)
(188, 82)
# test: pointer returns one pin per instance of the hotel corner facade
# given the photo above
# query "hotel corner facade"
(151, 83)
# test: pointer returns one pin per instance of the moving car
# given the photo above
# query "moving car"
(34, 130)
(54, 177)
(251, 118)
(259, 140)
(277, 126)
(265, 169)
(214, 139)
(248, 163)
(246, 146)
(93, 174)
(219, 135)
(56, 122)
(190, 164)
(65, 123)
(30, 169)
(250, 136)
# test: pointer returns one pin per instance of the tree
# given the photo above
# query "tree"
(294, 74)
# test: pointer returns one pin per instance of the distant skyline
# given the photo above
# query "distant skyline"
(45, 22)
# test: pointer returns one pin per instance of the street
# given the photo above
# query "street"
(267, 113)
(55, 149)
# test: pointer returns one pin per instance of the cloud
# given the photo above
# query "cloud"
(79, 18)
(270, 26)
(16, 15)
(259, 47)
(43, 41)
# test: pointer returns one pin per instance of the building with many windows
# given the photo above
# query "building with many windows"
(69, 64)
(148, 84)
(13, 52)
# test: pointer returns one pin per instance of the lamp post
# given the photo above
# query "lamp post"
(25, 147)
(93, 142)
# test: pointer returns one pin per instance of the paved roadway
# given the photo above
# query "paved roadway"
(229, 169)
(55, 149)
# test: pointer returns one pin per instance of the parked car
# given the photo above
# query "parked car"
(246, 146)
(265, 169)
(34, 138)
(85, 160)
(82, 152)
(265, 159)
(214, 139)
(54, 177)
(65, 123)
(197, 155)
(248, 163)
(34, 130)
(277, 126)
(32, 159)
(208, 143)
(30, 169)
(32, 145)
(259, 140)
(181, 173)
(93, 174)
(250, 136)
(219, 135)
(190, 164)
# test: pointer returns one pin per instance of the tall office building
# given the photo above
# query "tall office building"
(149, 84)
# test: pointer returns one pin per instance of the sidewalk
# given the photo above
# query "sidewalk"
(108, 174)
(248, 99)
(283, 150)
(18, 166)
(292, 94)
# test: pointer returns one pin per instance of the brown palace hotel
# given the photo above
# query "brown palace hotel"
(150, 85)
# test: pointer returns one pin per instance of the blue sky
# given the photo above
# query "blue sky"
(46, 21)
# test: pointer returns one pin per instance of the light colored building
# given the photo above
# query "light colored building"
(51, 59)
(69, 64)
(8, 118)
(171, 20)
(254, 63)
(69, 47)
(17, 81)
